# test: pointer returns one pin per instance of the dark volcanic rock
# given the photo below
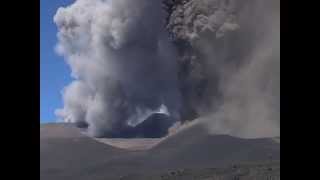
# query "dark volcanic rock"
(155, 126)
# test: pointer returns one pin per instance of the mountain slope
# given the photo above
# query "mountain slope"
(65, 153)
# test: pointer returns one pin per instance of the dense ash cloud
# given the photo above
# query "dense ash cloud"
(233, 62)
(250, 79)
(121, 60)
(217, 61)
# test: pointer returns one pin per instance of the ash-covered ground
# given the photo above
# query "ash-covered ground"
(192, 153)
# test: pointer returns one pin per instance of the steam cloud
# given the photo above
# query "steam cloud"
(223, 64)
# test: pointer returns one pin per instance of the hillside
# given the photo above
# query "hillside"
(72, 155)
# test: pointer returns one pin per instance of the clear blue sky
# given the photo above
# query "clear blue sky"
(54, 72)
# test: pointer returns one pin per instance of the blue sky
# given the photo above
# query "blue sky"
(54, 72)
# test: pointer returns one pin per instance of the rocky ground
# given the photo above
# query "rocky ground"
(68, 154)
(256, 171)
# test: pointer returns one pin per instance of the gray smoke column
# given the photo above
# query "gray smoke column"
(250, 74)
(229, 63)
(121, 60)
(221, 65)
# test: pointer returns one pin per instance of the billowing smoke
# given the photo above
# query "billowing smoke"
(215, 60)
(234, 64)
(122, 62)
(250, 102)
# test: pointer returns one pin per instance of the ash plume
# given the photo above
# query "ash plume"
(216, 61)
(233, 63)
(121, 60)
(250, 86)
